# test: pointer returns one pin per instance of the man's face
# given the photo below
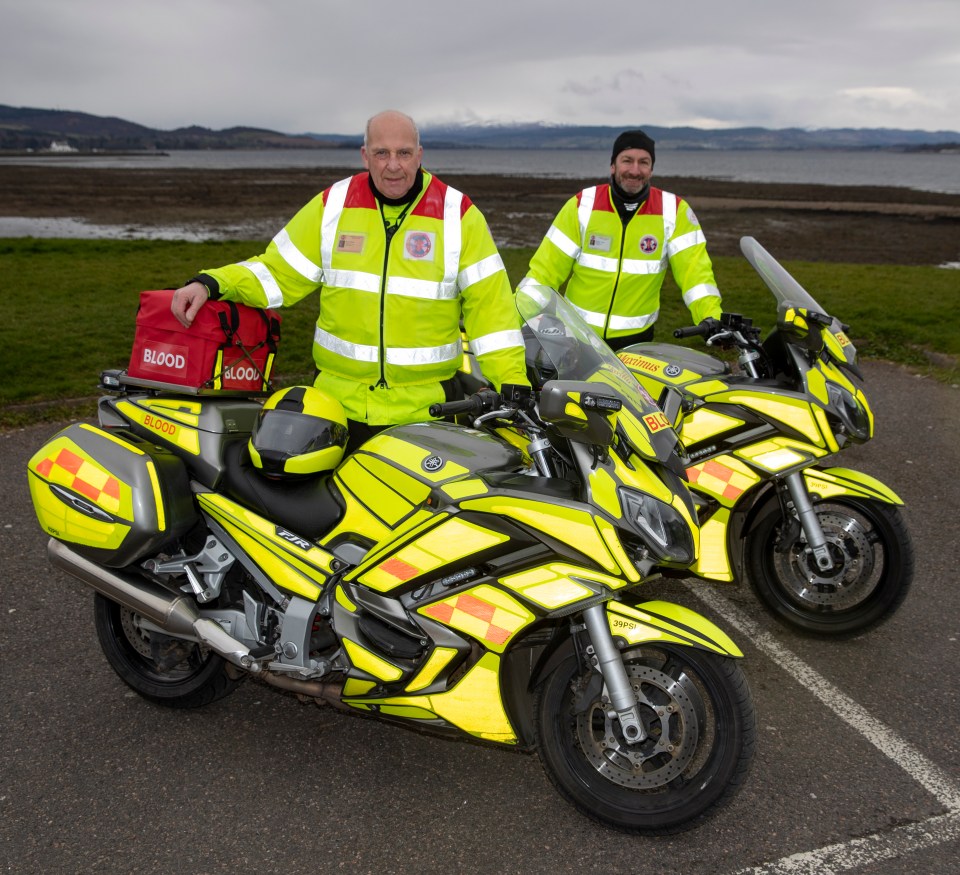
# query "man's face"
(632, 169)
(392, 154)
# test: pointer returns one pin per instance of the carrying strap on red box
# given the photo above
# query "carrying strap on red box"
(229, 317)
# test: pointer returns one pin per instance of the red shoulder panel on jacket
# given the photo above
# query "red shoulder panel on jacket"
(431, 204)
(653, 206)
(359, 194)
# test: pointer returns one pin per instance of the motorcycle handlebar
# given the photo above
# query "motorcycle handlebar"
(690, 331)
(473, 405)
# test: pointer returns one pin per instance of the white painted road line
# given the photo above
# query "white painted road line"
(880, 846)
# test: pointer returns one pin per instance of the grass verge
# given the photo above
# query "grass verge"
(71, 307)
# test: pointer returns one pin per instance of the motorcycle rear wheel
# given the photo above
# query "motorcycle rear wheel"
(698, 713)
(874, 558)
(180, 674)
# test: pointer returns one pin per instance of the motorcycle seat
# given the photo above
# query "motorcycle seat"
(309, 507)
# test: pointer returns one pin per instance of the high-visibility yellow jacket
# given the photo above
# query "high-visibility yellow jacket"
(615, 271)
(388, 331)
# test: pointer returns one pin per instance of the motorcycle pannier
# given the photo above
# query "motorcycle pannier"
(114, 501)
(229, 348)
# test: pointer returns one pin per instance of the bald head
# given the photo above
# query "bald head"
(391, 118)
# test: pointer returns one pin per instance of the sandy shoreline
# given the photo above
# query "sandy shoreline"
(814, 223)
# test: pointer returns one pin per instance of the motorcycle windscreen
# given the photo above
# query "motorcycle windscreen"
(564, 347)
(788, 291)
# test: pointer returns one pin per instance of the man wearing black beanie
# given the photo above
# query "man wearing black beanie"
(612, 243)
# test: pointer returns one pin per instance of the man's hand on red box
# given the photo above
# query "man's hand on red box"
(187, 301)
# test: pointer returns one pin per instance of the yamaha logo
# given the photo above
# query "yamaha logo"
(673, 370)
(432, 463)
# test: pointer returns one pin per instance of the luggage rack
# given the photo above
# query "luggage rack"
(119, 381)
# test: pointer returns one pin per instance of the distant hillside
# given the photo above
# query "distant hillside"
(23, 129)
(26, 128)
(541, 136)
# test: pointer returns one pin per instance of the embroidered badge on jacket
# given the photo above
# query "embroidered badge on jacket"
(419, 245)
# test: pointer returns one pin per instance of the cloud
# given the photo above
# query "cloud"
(301, 66)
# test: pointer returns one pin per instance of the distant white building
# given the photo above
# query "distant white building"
(62, 146)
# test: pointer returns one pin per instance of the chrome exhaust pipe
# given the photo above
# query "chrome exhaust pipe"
(173, 613)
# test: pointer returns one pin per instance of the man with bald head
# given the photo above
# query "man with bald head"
(398, 257)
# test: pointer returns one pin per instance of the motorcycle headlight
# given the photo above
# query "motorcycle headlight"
(661, 527)
(851, 413)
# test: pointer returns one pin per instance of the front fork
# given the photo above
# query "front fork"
(610, 665)
(809, 521)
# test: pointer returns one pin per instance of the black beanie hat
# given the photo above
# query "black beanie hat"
(632, 140)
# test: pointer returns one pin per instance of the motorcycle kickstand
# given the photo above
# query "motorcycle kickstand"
(610, 665)
(809, 521)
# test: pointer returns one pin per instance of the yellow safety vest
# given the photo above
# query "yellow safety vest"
(615, 272)
(388, 331)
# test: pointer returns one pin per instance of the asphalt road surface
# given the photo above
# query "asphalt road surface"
(857, 766)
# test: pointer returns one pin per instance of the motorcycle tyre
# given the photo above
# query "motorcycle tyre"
(204, 682)
(879, 605)
(724, 746)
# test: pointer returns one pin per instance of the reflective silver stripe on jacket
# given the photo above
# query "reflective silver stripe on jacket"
(617, 323)
(352, 279)
(452, 234)
(480, 271)
(356, 351)
(632, 323)
(424, 355)
(587, 199)
(704, 290)
(669, 216)
(332, 210)
(685, 241)
(425, 289)
(496, 341)
(598, 262)
(396, 355)
(271, 291)
(562, 242)
(295, 258)
(643, 265)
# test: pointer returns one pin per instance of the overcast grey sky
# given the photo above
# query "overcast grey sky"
(320, 66)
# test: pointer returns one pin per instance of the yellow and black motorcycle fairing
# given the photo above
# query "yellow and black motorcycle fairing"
(440, 577)
(825, 547)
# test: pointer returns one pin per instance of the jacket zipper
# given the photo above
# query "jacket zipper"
(616, 282)
(390, 232)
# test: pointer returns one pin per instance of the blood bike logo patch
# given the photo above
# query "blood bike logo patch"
(649, 244)
(432, 463)
(418, 245)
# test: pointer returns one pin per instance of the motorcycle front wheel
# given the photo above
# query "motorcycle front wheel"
(871, 575)
(167, 671)
(699, 720)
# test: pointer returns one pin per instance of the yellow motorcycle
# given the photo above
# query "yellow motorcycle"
(825, 548)
(440, 577)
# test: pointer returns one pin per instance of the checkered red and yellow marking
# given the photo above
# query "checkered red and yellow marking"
(724, 478)
(448, 542)
(83, 476)
(485, 613)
